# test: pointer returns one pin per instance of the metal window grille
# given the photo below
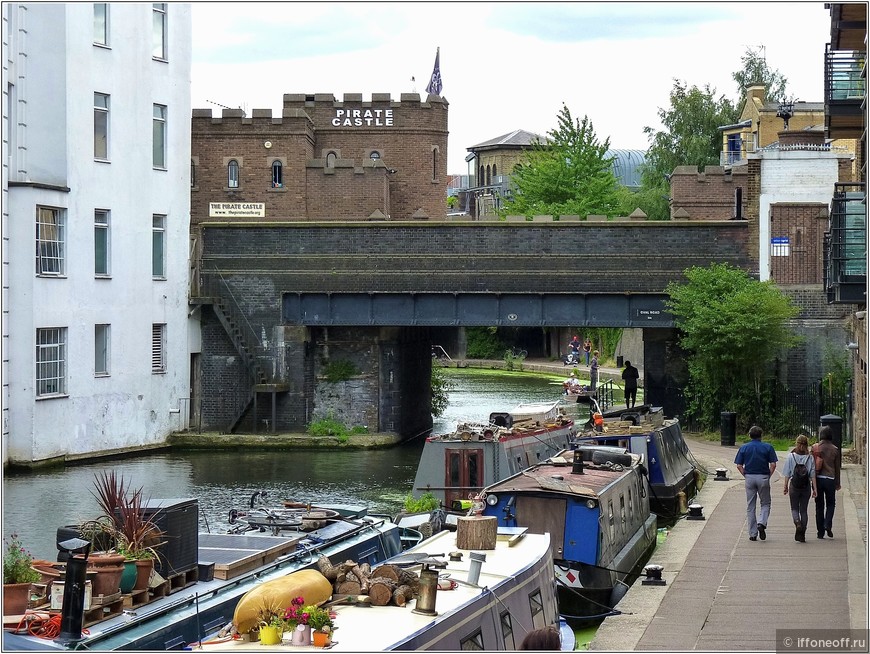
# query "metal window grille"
(101, 349)
(159, 136)
(50, 241)
(158, 42)
(101, 242)
(50, 361)
(158, 246)
(101, 126)
(233, 174)
(158, 348)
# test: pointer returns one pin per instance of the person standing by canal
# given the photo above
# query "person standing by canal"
(593, 370)
(756, 461)
(827, 459)
(587, 349)
(799, 474)
(630, 376)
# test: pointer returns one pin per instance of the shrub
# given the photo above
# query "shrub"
(339, 371)
(426, 502)
(17, 563)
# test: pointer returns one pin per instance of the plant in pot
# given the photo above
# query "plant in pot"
(138, 538)
(297, 622)
(321, 623)
(18, 576)
(271, 623)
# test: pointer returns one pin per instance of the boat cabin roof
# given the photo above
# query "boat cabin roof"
(556, 475)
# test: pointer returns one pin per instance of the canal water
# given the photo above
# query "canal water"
(35, 504)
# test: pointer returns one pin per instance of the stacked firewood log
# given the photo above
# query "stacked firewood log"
(385, 584)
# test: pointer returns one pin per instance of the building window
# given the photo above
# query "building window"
(434, 164)
(158, 348)
(507, 631)
(101, 350)
(158, 247)
(233, 174)
(101, 126)
(375, 155)
(473, 642)
(330, 160)
(192, 174)
(159, 146)
(536, 607)
(495, 173)
(51, 361)
(101, 243)
(481, 177)
(277, 175)
(738, 203)
(158, 37)
(488, 175)
(101, 23)
(50, 241)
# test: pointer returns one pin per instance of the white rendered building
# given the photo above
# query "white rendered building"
(95, 210)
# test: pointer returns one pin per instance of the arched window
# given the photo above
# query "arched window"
(482, 178)
(330, 160)
(488, 176)
(233, 174)
(494, 173)
(277, 175)
(375, 155)
(434, 164)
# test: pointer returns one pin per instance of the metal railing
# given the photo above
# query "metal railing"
(844, 79)
(739, 150)
(846, 239)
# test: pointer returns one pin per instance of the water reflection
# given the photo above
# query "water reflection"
(35, 504)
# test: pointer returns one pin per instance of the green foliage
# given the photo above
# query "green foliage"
(568, 174)
(452, 200)
(441, 387)
(329, 426)
(690, 137)
(483, 343)
(754, 70)
(513, 359)
(17, 563)
(426, 502)
(339, 371)
(733, 327)
(604, 339)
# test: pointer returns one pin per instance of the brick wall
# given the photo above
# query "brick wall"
(804, 225)
(707, 195)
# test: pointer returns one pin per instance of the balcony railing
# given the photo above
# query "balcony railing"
(738, 149)
(844, 76)
(846, 244)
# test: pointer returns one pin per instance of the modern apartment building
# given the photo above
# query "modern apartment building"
(95, 221)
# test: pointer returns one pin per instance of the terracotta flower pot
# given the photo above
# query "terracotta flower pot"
(109, 568)
(15, 598)
(143, 573)
(320, 638)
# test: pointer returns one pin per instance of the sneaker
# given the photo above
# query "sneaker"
(753, 538)
(762, 531)
(802, 535)
(830, 533)
(797, 534)
(820, 535)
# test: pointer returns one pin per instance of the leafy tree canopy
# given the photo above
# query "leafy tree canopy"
(756, 71)
(568, 174)
(733, 327)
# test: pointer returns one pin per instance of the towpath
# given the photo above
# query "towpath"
(726, 593)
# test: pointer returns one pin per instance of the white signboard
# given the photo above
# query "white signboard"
(236, 210)
(779, 246)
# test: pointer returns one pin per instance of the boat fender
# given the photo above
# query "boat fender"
(601, 458)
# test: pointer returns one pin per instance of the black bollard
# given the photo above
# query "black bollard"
(73, 608)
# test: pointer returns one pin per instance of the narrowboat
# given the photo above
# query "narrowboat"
(454, 467)
(594, 504)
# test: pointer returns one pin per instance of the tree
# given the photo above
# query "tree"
(690, 137)
(568, 174)
(441, 386)
(755, 71)
(733, 328)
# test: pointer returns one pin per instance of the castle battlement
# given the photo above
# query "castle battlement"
(709, 171)
(328, 100)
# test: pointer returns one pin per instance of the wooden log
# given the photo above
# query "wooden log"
(476, 532)
(408, 578)
(366, 569)
(348, 588)
(381, 590)
(362, 578)
(402, 594)
(386, 570)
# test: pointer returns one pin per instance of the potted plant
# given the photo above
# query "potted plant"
(320, 621)
(271, 625)
(18, 576)
(296, 620)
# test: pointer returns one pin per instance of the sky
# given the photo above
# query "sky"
(504, 65)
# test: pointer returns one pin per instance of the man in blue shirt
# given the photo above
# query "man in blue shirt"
(756, 461)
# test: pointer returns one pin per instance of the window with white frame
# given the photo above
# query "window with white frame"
(101, 23)
(158, 348)
(50, 241)
(101, 126)
(50, 361)
(158, 33)
(233, 174)
(158, 246)
(101, 243)
(102, 343)
(159, 137)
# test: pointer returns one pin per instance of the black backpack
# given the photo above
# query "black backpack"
(800, 477)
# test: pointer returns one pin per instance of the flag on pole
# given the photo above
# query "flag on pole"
(435, 83)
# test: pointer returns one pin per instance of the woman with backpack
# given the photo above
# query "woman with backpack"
(799, 473)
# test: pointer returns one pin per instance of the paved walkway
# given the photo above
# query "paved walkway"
(725, 592)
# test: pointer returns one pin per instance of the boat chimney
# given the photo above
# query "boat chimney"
(578, 463)
(425, 603)
(477, 559)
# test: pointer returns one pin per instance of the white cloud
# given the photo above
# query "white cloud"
(505, 66)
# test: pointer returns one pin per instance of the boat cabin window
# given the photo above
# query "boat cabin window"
(630, 504)
(536, 606)
(507, 631)
(472, 642)
(610, 521)
(622, 510)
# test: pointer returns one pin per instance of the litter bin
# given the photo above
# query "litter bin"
(728, 431)
(619, 361)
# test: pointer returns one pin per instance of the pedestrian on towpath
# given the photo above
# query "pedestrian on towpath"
(827, 459)
(799, 473)
(587, 350)
(756, 461)
(630, 376)
(593, 370)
